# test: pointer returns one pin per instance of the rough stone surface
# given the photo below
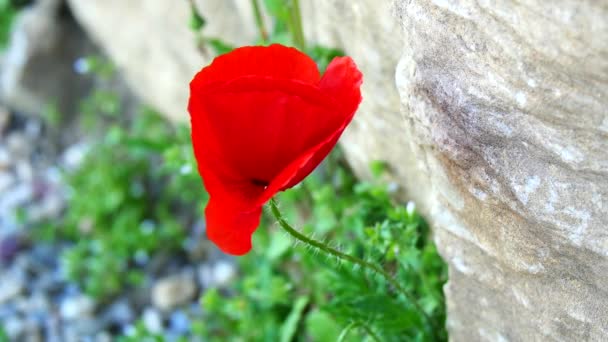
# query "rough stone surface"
(506, 104)
(37, 69)
(497, 126)
(156, 48)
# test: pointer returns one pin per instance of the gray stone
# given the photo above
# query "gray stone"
(36, 304)
(120, 312)
(18, 146)
(76, 308)
(48, 207)
(15, 197)
(179, 322)
(43, 47)
(173, 291)
(163, 43)
(218, 274)
(5, 158)
(32, 331)
(152, 320)
(12, 285)
(506, 108)
(74, 155)
(5, 118)
(25, 171)
(103, 336)
(7, 179)
(14, 327)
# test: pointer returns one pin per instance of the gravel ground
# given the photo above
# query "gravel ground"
(37, 303)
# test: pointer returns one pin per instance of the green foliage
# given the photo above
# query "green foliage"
(3, 337)
(283, 25)
(197, 21)
(289, 292)
(124, 200)
(292, 293)
(7, 14)
(133, 196)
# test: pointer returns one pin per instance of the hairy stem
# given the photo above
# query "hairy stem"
(353, 259)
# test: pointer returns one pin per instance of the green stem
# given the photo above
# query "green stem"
(295, 24)
(259, 20)
(357, 324)
(355, 260)
(369, 332)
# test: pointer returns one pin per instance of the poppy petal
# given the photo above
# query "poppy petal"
(229, 228)
(259, 125)
(275, 61)
(302, 166)
(342, 81)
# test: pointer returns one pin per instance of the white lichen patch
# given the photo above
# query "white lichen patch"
(521, 99)
(478, 193)
(577, 232)
(524, 191)
(460, 265)
(520, 297)
(604, 125)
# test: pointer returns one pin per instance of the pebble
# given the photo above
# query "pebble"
(10, 245)
(5, 158)
(76, 307)
(218, 275)
(5, 118)
(32, 331)
(152, 320)
(15, 197)
(52, 328)
(36, 305)
(18, 146)
(103, 336)
(223, 273)
(50, 207)
(173, 291)
(25, 172)
(120, 312)
(14, 327)
(74, 155)
(7, 179)
(179, 322)
(11, 286)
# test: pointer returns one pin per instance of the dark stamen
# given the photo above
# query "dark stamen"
(259, 182)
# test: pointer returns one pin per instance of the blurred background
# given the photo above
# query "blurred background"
(101, 213)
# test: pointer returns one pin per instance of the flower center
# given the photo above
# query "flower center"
(259, 182)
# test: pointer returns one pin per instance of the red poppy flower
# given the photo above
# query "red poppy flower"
(262, 119)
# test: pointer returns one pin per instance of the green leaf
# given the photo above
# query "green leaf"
(279, 245)
(219, 46)
(323, 55)
(321, 326)
(197, 22)
(289, 328)
(378, 167)
(346, 330)
(277, 8)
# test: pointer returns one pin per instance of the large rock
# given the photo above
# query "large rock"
(507, 103)
(152, 43)
(37, 69)
(497, 127)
